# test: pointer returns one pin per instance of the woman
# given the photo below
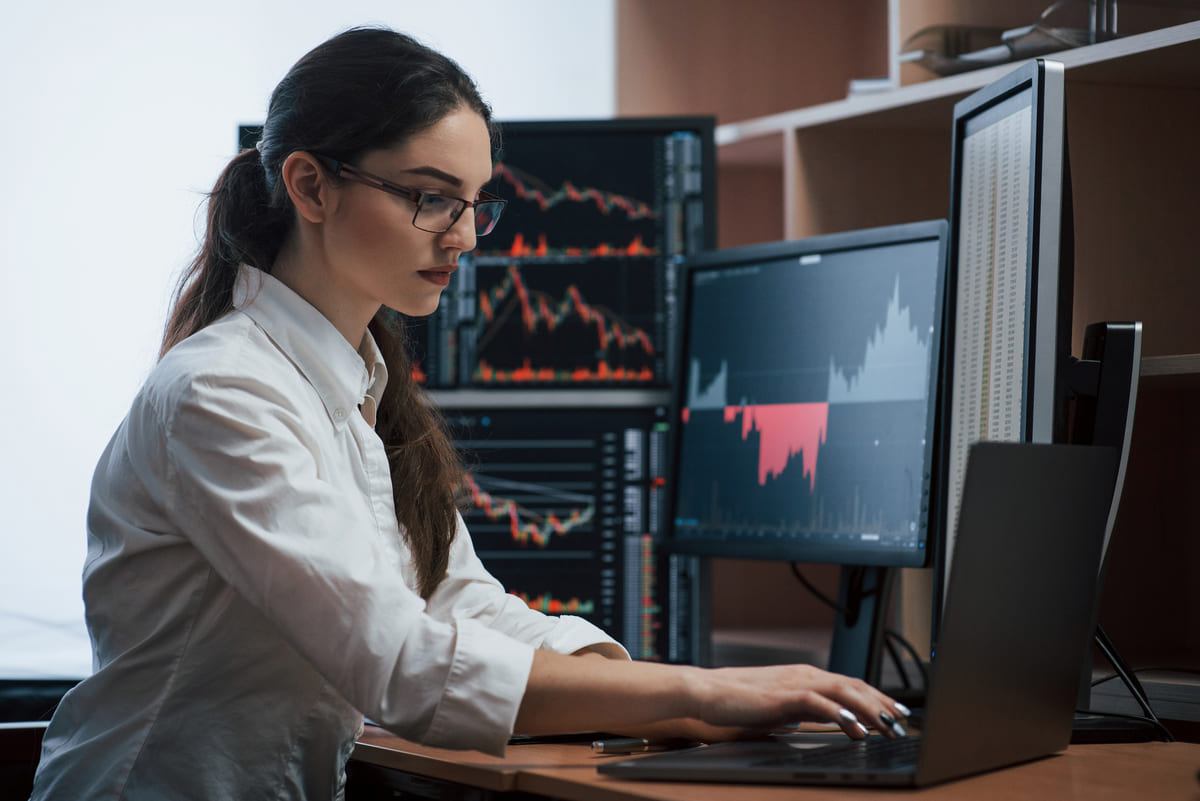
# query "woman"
(274, 549)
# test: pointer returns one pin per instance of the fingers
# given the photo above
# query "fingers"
(858, 707)
(851, 724)
(884, 714)
(769, 697)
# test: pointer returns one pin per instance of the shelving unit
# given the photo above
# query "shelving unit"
(798, 157)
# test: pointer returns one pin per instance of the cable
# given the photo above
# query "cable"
(1153, 721)
(825, 599)
(808, 585)
(1118, 662)
(916, 658)
(896, 660)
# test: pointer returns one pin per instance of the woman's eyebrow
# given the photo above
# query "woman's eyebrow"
(434, 172)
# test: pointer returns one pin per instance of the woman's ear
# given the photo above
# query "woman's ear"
(307, 185)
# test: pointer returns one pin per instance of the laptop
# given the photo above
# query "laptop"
(1016, 627)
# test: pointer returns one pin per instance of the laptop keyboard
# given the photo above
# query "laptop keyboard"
(874, 753)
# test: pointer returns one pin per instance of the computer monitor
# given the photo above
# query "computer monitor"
(1010, 276)
(1012, 375)
(805, 411)
(577, 286)
(564, 507)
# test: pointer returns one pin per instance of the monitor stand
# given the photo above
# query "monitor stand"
(1097, 727)
(863, 595)
(1104, 384)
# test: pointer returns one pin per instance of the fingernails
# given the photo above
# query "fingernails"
(891, 723)
(849, 717)
(903, 710)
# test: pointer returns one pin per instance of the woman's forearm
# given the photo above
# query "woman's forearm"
(572, 693)
(585, 693)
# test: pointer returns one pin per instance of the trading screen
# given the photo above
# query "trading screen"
(805, 418)
(576, 286)
(565, 508)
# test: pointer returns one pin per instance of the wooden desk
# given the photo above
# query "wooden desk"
(1143, 771)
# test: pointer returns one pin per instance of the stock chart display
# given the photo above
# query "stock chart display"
(576, 286)
(565, 508)
(806, 413)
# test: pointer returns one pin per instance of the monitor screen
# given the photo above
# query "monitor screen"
(577, 286)
(807, 398)
(564, 508)
(1010, 273)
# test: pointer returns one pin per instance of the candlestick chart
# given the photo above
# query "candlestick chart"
(575, 287)
(533, 514)
(564, 205)
(544, 325)
(562, 505)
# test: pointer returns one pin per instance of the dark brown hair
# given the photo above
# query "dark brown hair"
(364, 89)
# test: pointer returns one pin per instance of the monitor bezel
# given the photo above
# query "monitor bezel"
(928, 230)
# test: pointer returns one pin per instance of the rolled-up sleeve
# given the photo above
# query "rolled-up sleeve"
(478, 708)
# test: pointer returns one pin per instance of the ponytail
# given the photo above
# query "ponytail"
(245, 225)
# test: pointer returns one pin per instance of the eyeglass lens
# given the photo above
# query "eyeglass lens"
(438, 214)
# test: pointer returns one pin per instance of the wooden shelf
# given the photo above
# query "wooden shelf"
(1172, 367)
(1164, 58)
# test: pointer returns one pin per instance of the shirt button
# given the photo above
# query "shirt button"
(339, 414)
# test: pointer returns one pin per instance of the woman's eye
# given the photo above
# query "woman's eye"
(435, 202)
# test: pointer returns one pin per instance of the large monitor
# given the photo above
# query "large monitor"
(577, 286)
(805, 414)
(1012, 375)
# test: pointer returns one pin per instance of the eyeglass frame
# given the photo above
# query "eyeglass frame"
(346, 170)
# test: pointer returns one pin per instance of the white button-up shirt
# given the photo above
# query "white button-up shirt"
(248, 592)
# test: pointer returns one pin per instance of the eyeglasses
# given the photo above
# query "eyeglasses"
(435, 213)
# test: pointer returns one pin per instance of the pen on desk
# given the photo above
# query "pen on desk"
(637, 745)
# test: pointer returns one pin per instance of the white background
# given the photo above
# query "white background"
(115, 119)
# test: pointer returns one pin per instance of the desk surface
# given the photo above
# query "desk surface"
(568, 771)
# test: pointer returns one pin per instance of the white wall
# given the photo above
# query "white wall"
(115, 118)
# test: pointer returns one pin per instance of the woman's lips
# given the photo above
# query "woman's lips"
(438, 275)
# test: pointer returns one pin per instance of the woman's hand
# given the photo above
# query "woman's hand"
(768, 698)
(645, 699)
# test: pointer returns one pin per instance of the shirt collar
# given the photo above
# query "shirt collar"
(341, 375)
(377, 376)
